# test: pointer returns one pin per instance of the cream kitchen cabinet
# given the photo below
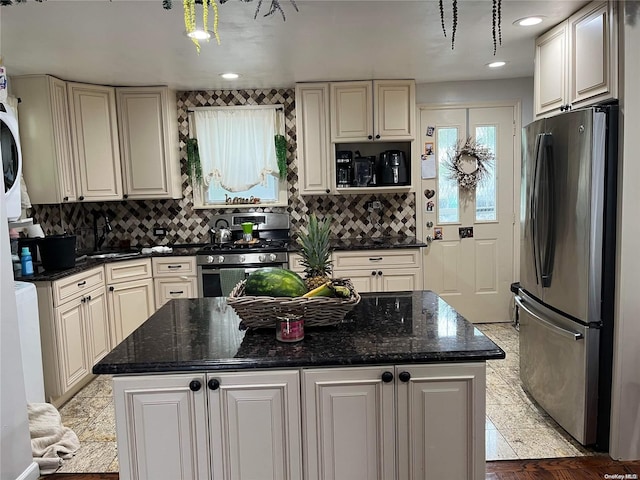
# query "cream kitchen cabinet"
(130, 296)
(174, 277)
(295, 263)
(148, 133)
(416, 420)
(380, 270)
(576, 61)
(253, 417)
(94, 133)
(315, 159)
(45, 135)
(378, 110)
(74, 331)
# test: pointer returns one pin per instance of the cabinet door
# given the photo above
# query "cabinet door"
(314, 150)
(254, 420)
(349, 424)
(97, 326)
(363, 281)
(176, 287)
(351, 111)
(394, 107)
(394, 281)
(62, 139)
(73, 364)
(441, 418)
(161, 427)
(593, 60)
(130, 305)
(551, 70)
(149, 153)
(95, 141)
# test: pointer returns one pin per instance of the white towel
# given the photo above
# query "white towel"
(51, 441)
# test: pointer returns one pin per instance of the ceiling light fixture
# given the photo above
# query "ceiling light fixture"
(496, 64)
(528, 21)
(199, 34)
(229, 76)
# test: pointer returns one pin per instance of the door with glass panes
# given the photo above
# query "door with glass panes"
(470, 261)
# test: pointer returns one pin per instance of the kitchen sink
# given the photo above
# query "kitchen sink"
(108, 254)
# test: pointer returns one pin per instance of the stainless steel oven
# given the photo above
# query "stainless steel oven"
(221, 266)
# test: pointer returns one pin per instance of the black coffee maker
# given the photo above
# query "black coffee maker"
(393, 168)
(344, 168)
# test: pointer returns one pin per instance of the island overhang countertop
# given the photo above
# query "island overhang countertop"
(187, 335)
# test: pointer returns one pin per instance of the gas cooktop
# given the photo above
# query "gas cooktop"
(259, 245)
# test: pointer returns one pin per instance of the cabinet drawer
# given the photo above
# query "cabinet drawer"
(76, 285)
(128, 270)
(167, 288)
(375, 258)
(174, 266)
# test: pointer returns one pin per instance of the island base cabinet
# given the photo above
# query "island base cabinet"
(441, 421)
(405, 422)
(255, 430)
(161, 426)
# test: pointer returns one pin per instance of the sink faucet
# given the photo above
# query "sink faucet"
(98, 239)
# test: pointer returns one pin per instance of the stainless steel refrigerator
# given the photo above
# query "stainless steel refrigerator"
(567, 262)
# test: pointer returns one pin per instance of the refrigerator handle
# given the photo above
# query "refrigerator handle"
(547, 251)
(562, 331)
(533, 208)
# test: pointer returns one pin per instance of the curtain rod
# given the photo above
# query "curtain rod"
(230, 107)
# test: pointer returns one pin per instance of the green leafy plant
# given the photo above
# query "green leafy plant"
(281, 155)
(194, 167)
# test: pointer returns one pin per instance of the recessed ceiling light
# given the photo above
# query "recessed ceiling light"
(229, 76)
(199, 34)
(528, 21)
(497, 64)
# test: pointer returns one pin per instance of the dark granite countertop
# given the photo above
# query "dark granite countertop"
(385, 328)
(375, 243)
(42, 275)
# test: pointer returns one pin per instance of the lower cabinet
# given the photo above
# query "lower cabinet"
(253, 428)
(399, 422)
(131, 297)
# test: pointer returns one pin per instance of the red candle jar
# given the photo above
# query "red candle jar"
(290, 328)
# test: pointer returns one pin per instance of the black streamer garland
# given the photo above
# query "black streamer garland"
(500, 21)
(444, 30)
(494, 10)
(455, 23)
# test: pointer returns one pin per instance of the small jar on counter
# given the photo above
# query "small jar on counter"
(289, 328)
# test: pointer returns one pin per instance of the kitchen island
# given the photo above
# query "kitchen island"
(396, 391)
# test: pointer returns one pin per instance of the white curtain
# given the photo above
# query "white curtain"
(236, 146)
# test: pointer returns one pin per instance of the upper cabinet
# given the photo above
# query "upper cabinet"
(379, 110)
(314, 148)
(45, 138)
(148, 131)
(79, 146)
(95, 141)
(576, 61)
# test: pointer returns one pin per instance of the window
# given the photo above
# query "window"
(238, 154)
(486, 190)
(448, 203)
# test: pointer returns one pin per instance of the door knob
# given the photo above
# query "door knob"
(404, 376)
(213, 384)
(387, 377)
(195, 385)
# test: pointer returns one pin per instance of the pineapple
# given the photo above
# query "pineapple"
(314, 249)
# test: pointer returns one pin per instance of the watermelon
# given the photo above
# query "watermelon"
(275, 282)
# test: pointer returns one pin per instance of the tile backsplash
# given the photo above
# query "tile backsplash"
(133, 220)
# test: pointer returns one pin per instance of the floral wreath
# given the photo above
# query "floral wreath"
(469, 164)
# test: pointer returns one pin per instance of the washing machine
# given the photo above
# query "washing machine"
(11, 160)
(30, 347)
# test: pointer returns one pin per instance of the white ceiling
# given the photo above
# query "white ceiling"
(137, 42)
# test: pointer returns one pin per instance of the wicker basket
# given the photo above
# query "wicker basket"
(261, 312)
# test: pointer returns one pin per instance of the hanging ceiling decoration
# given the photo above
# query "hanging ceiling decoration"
(496, 26)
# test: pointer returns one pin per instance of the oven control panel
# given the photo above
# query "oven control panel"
(243, 259)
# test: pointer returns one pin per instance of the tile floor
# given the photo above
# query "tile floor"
(515, 427)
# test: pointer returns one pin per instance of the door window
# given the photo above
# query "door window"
(448, 203)
(486, 190)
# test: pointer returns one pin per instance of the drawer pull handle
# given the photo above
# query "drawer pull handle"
(176, 293)
(375, 259)
(82, 283)
(174, 266)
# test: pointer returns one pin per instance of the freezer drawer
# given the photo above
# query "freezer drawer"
(559, 367)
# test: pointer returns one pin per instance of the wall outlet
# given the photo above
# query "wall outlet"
(159, 231)
(374, 205)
